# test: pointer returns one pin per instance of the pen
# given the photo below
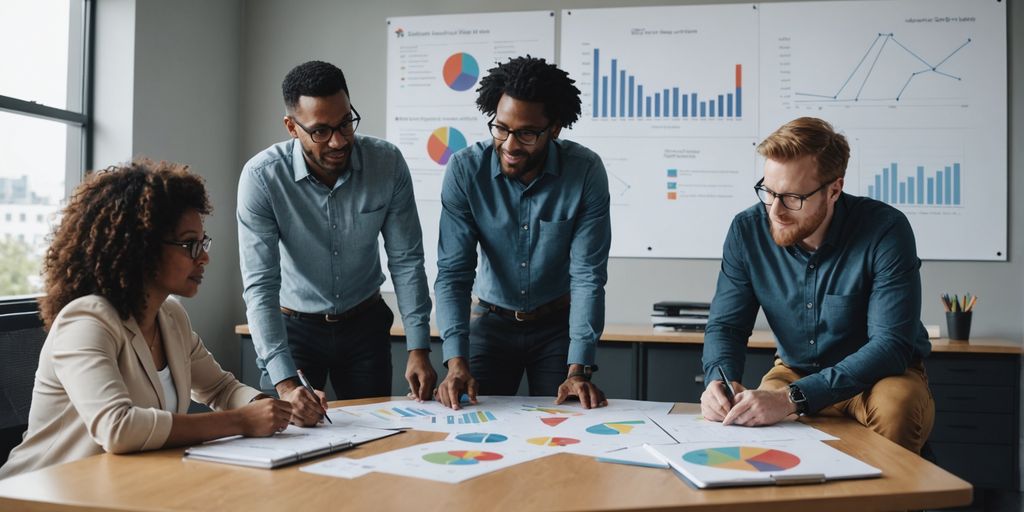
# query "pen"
(728, 385)
(305, 384)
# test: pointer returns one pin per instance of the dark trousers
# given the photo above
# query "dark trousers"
(501, 349)
(355, 354)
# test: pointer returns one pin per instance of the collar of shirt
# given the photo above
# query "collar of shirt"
(300, 169)
(552, 164)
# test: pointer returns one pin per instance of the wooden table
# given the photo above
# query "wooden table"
(162, 480)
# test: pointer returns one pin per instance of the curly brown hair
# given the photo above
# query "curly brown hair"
(110, 239)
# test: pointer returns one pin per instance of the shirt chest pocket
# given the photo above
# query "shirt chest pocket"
(366, 225)
(843, 314)
(555, 235)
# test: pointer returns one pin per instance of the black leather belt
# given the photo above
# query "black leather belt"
(528, 316)
(328, 318)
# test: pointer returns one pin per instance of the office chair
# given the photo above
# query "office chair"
(21, 339)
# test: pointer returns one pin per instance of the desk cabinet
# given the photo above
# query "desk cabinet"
(674, 372)
(976, 433)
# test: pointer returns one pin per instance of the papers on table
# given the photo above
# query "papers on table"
(779, 462)
(442, 461)
(499, 432)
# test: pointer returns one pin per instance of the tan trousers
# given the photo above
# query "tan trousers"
(900, 408)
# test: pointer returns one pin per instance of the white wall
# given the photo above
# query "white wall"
(168, 87)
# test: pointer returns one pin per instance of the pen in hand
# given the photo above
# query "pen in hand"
(305, 384)
(728, 385)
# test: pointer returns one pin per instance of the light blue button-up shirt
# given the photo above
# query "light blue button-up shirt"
(846, 315)
(539, 242)
(314, 249)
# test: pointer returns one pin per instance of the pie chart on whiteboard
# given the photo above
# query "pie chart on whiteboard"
(461, 71)
(445, 142)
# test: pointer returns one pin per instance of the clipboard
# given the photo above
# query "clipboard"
(711, 465)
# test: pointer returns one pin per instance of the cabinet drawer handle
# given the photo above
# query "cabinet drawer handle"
(960, 370)
(964, 427)
(699, 379)
(959, 398)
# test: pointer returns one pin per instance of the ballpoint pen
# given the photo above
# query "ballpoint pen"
(305, 384)
(728, 385)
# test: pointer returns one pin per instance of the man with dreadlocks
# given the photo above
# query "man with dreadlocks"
(537, 206)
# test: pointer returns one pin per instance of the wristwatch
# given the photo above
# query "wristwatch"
(587, 373)
(797, 397)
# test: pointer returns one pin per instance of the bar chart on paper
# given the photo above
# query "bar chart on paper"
(465, 418)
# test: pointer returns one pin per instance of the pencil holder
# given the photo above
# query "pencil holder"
(958, 325)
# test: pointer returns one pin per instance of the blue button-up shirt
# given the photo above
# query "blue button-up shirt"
(846, 315)
(314, 249)
(539, 242)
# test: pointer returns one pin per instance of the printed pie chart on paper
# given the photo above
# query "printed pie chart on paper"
(461, 457)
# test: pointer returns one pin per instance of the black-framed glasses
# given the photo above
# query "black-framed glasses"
(791, 201)
(322, 134)
(194, 247)
(523, 135)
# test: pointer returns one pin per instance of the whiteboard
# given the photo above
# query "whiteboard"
(434, 67)
(670, 99)
(917, 86)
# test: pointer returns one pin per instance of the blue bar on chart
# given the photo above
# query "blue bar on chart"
(942, 188)
(466, 418)
(616, 92)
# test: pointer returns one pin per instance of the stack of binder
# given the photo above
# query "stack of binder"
(680, 316)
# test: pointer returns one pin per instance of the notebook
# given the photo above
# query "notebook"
(292, 445)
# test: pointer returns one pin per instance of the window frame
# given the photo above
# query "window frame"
(81, 42)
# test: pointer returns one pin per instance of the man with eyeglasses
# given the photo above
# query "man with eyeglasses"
(537, 207)
(310, 211)
(839, 281)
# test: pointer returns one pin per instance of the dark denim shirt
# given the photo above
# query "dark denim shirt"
(538, 242)
(846, 315)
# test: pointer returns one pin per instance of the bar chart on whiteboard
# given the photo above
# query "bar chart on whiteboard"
(919, 89)
(670, 103)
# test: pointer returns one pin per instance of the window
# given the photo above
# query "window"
(44, 119)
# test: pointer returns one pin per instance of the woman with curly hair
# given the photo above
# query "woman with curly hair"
(120, 361)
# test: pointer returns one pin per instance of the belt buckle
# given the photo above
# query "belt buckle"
(327, 319)
(520, 316)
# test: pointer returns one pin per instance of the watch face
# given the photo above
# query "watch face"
(796, 395)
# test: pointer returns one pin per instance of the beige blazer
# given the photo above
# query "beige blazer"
(97, 389)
